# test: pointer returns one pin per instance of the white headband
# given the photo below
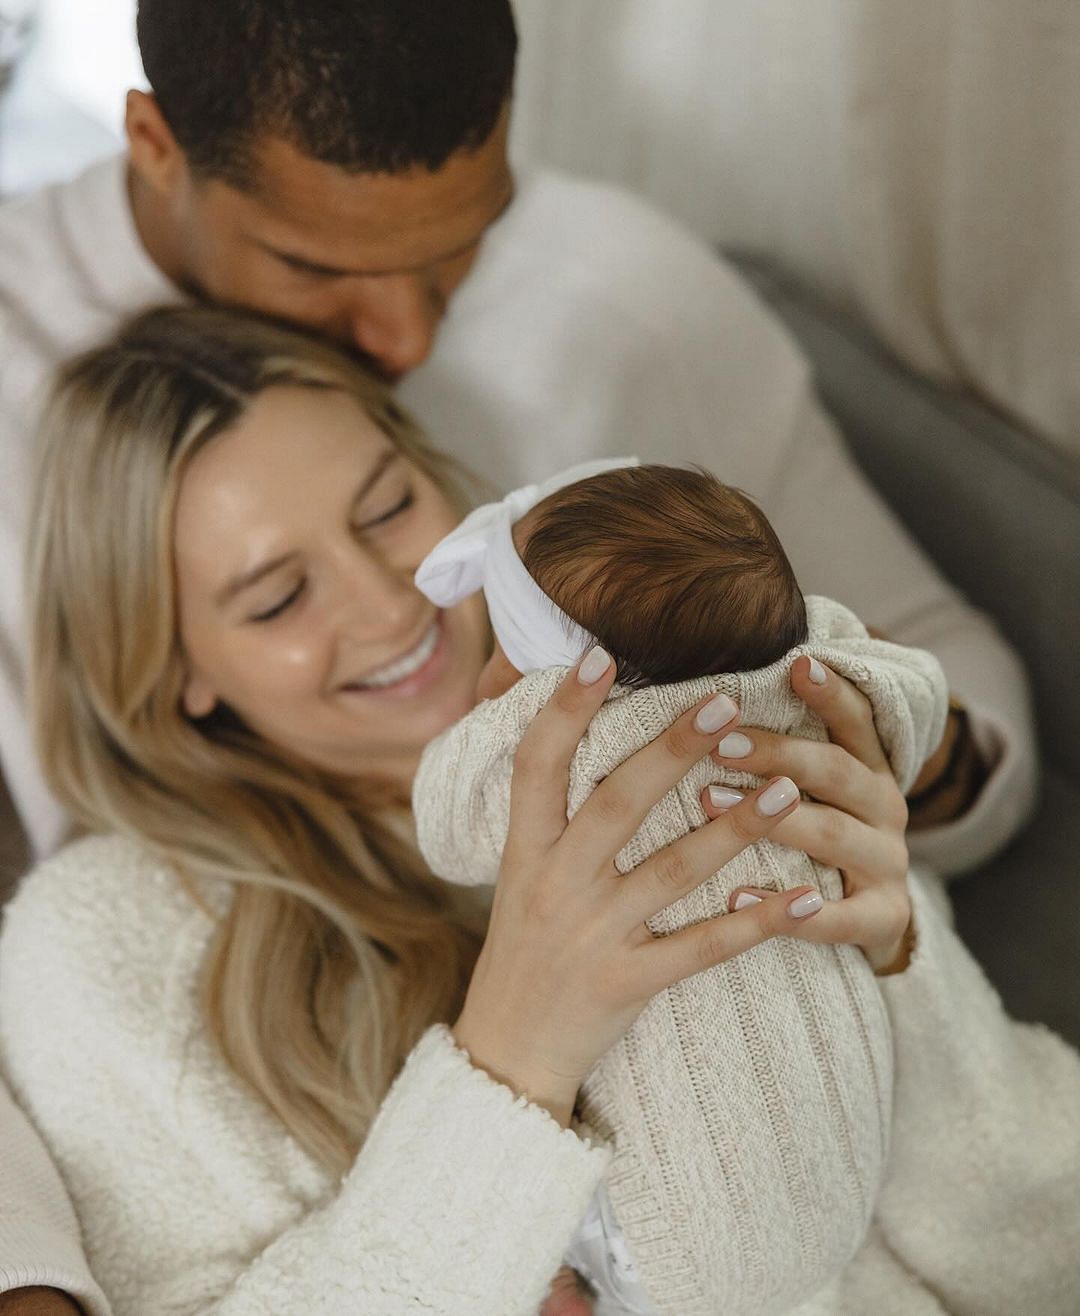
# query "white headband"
(480, 554)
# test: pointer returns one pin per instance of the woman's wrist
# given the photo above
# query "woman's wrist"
(543, 1087)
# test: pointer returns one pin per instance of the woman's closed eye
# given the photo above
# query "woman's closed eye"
(276, 609)
(402, 505)
(283, 603)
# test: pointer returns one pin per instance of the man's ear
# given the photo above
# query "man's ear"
(198, 698)
(155, 153)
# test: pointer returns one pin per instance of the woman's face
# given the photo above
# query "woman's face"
(297, 535)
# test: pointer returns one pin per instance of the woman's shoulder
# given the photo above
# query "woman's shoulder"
(103, 923)
(104, 884)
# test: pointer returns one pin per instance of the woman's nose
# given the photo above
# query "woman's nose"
(396, 318)
(374, 596)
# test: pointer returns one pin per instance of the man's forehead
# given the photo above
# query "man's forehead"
(372, 223)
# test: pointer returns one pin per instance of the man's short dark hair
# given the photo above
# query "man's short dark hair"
(373, 86)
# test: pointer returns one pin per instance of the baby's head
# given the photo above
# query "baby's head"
(674, 573)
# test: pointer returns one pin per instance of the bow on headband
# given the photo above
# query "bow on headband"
(480, 554)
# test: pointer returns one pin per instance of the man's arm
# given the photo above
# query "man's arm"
(844, 542)
(38, 1302)
(41, 1256)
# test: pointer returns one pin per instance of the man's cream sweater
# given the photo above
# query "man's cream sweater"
(754, 1198)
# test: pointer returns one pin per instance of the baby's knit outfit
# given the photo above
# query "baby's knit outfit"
(791, 1039)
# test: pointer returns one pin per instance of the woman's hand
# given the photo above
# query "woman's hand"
(854, 820)
(568, 962)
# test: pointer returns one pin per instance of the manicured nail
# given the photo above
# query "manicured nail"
(593, 666)
(805, 905)
(723, 797)
(745, 898)
(717, 713)
(776, 798)
(817, 673)
(735, 746)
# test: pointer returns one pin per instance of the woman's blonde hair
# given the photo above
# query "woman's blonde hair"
(337, 947)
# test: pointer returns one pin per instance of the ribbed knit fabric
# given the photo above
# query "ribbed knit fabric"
(39, 1237)
(192, 1197)
(750, 1105)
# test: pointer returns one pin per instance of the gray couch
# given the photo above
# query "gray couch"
(1000, 513)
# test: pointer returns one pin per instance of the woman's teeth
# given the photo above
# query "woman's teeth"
(406, 666)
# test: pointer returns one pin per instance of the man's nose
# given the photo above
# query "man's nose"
(396, 318)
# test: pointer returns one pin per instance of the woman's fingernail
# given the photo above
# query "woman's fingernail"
(735, 746)
(593, 666)
(723, 797)
(717, 713)
(775, 799)
(817, 673)
(745, 898)
(805, 905)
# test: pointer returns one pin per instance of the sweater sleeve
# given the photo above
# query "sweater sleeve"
(39, 1235)
(462, 1200)
(982, 1198)
(193, 1199)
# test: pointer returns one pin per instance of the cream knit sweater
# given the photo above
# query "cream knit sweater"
(752, 1197)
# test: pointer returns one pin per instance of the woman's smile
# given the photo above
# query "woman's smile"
(414, 672)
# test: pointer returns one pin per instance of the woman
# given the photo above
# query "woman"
(205, 1006)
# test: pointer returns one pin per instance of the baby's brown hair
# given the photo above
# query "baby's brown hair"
(674, 573)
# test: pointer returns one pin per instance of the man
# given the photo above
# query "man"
(345, 167)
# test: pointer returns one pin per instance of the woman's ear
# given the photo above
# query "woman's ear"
(198, 698)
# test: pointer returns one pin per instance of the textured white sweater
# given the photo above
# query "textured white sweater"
(193, 1200)
(753, 1199)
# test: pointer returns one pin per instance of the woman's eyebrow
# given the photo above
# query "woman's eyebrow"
(251, 577)
(254, 574)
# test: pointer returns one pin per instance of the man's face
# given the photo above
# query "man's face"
(370, 260)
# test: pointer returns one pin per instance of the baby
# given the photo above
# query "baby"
(684, 581)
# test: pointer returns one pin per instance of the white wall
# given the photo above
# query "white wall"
(66, 106)
(728, 113)
(87, 52)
